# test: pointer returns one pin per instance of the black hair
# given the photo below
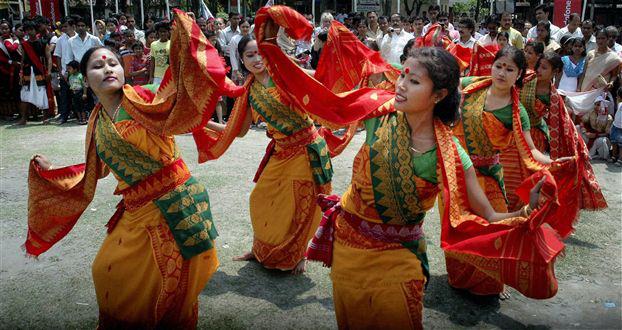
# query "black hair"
(87, 56)
(518, 57)
(492, 19)
(241, 46)
(373, 45)
(4, 21)
(29, 25)
(323, 36)
(111, 43)
(384, 18)
(444, 72)
(468, 23)
(150, 31)
(415, 18)
(442, 14)
(574, 15)
(40, 20)
(588, 21)
(553, 58)
(538, 47)
(232, 14)
(112, 20)
(619, 92)
(547, 26)
(79, 19)
(434, 7)
(114, 35)
(246, 20)
(564, 39)
(71, 20)
(138, 44)
(74, 65)
(162, 25)
(504, 34)
(580, 40)
(216, 45)
(544, 7)
(127, 32)
(506, 13)
(408, 46)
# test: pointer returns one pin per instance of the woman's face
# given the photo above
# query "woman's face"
(502, 41)
(577, 48)
(100, 26)
(531, 56)
(541, 32)
(504, 73)
(251, 58)
(545, 71)
(110, 27)
(362, 29)
(601, 40)
(149, 24)
(104, 73)
(245, 28)
(5, 31)
(151, 37)
(414, 91)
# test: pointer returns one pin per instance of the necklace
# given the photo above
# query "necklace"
(116, 112)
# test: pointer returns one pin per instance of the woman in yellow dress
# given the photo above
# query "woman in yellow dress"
(159, 252)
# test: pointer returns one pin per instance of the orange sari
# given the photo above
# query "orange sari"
(159, 252)
(482, 59)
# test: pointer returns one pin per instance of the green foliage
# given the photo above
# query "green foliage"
(469, 6)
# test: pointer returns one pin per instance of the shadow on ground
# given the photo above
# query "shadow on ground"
(280, 288)
(467, 310)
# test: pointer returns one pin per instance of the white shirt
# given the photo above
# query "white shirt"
(564, 31)
(79, 46)
(590, 44)
(63, 51)
(486, 40)
(392, 46)
(427, 26)
(532, 34)
(233, 52)
(469, 44)
(225, 38)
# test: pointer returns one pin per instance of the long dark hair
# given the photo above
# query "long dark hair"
(87, 56)
(241, 46)
(547, 26)
(553, 58)
(444, 72)
(518, 57)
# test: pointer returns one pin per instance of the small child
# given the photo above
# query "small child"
(616, 133)
(78, 91)
(503, 38)
(139, 65)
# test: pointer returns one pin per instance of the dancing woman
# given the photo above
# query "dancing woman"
(560, 139)
(159, 252)
(373, 238)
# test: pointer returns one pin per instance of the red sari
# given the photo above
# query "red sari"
(482, 59)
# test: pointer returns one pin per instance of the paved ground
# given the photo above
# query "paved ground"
(56, 291)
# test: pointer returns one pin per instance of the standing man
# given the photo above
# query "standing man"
(393, 42)
(230, 31)
(466, 27)
(417, 26)
(373, 29)
(516, 38)
(131, 25)
(573, 28)
(542, 14)
(612, 36)
(83, 40)
(587, 28)
(160, 52)
(62, 56)
(433, 12)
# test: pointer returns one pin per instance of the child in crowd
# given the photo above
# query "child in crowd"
(139, 65)
(78, 91)
(503, 38)
(573, 65)
(533, 51)
(597, 126)
(616, 133)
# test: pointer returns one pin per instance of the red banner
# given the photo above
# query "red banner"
(562, 10)
(46, 8)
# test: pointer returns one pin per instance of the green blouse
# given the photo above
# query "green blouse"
(504, 115)
(425, 163)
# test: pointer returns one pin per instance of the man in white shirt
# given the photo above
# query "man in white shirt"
(612, 36)
(229, 32)
(62, 56)
(131, 25)
(466, 27)
(542, 14)
(373, 29)
(83, 41)
(417, 26)
(587, 28)
(393, 42)
(433, 12)
(573, 28)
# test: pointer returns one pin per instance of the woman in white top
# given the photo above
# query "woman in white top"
(573, 66)
(245, 28)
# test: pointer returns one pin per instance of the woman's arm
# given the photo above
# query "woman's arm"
(481, 206)
(539, 156)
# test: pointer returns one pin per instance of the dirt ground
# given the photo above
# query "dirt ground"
(56, 291)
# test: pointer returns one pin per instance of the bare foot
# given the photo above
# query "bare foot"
(505, 294)
(248, 256)
(301, 267)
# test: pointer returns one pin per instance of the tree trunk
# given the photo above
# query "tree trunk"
(477, 5)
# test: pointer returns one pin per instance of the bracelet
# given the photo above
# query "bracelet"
(525, 211)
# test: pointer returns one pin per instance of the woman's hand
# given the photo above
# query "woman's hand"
(534, 194)
(42, 162)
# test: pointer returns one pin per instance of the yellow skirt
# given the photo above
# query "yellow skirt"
(141, 279)
(376, 285)
(284, 211)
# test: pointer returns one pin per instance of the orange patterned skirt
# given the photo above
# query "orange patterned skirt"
(141, 279)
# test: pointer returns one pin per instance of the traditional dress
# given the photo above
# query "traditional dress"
(36, 90)
(436, 37)
(159, 252)
(9, 68)
(598, 69)
(561, 139)
(482, 58)
(373, 238)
